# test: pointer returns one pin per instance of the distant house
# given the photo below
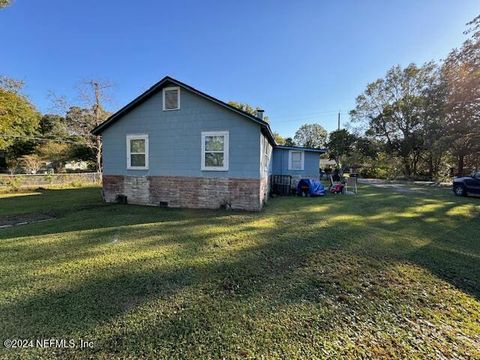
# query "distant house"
(179, 147)
(76, 165)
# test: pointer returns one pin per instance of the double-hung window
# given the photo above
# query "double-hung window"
(266, 155)
(171, 98)
(295, 160)
(137, 152)
(215, 150)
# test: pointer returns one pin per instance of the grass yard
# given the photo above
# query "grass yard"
(381, 274)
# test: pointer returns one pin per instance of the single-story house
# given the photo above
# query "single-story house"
(176, 146)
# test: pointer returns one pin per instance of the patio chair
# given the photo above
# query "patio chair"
(351, 184)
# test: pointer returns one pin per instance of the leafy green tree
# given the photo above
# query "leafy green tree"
(20, 147)
(56, 153)
(247, 108)
(31, 163)
(279, 139)
(393, 109)
(79, 151)
(18, 117)
(364, 153)
(366, 148)
(340, 144)
(311, 136)
(435, 129)
(4, 3)
(289, 142)
(461, 71)
(53, 127)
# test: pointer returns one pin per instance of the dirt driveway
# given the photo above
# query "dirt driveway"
(402, 186)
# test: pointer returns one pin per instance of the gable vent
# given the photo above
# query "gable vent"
(171, 98)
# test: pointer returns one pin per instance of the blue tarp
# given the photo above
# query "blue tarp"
(315, 187)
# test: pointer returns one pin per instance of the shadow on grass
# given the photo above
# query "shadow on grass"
(284, 255)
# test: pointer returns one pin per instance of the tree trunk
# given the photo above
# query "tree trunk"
(414, 165)
(430, 167)
(337, 161)
(461, 161)
(407, 167)
(96, 112)
(99, 154)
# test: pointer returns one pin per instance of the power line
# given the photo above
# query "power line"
(304, 116)
(313, 113)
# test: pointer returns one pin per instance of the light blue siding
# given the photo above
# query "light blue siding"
(175, 139)
(310, 167)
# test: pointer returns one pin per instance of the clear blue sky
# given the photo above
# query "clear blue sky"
(301, 61)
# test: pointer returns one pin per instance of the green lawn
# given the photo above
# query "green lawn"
(381, 274)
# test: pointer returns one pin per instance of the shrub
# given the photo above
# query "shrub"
(77, 184)
(12, 184)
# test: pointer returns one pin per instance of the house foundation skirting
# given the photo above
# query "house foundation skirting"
(187, 192)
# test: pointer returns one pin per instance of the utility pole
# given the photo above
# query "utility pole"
(338, 120)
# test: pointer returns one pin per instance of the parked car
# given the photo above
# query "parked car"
(467, 185)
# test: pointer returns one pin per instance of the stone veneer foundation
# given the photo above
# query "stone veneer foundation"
(187, 192)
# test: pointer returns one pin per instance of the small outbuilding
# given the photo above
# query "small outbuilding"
(298, 162)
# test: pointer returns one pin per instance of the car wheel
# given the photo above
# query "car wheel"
(459, 190)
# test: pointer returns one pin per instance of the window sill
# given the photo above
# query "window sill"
(171, 109)
(213, 169)
(137, 168)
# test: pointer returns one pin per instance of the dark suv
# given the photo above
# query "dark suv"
(467, 185)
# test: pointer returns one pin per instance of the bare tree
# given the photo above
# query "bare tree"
(11, 85)
(99, 115)
(81, 120)
(59, 104)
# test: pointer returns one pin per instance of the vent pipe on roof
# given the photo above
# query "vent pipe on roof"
(260, 114)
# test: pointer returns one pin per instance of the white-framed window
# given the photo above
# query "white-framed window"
(215, 150)
(171, 98)
(137, 152)
(295, 160)
(266, 155)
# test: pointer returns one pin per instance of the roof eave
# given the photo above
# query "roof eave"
(284, 147)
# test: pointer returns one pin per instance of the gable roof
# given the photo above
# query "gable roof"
(300, 148)
(265, 127)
